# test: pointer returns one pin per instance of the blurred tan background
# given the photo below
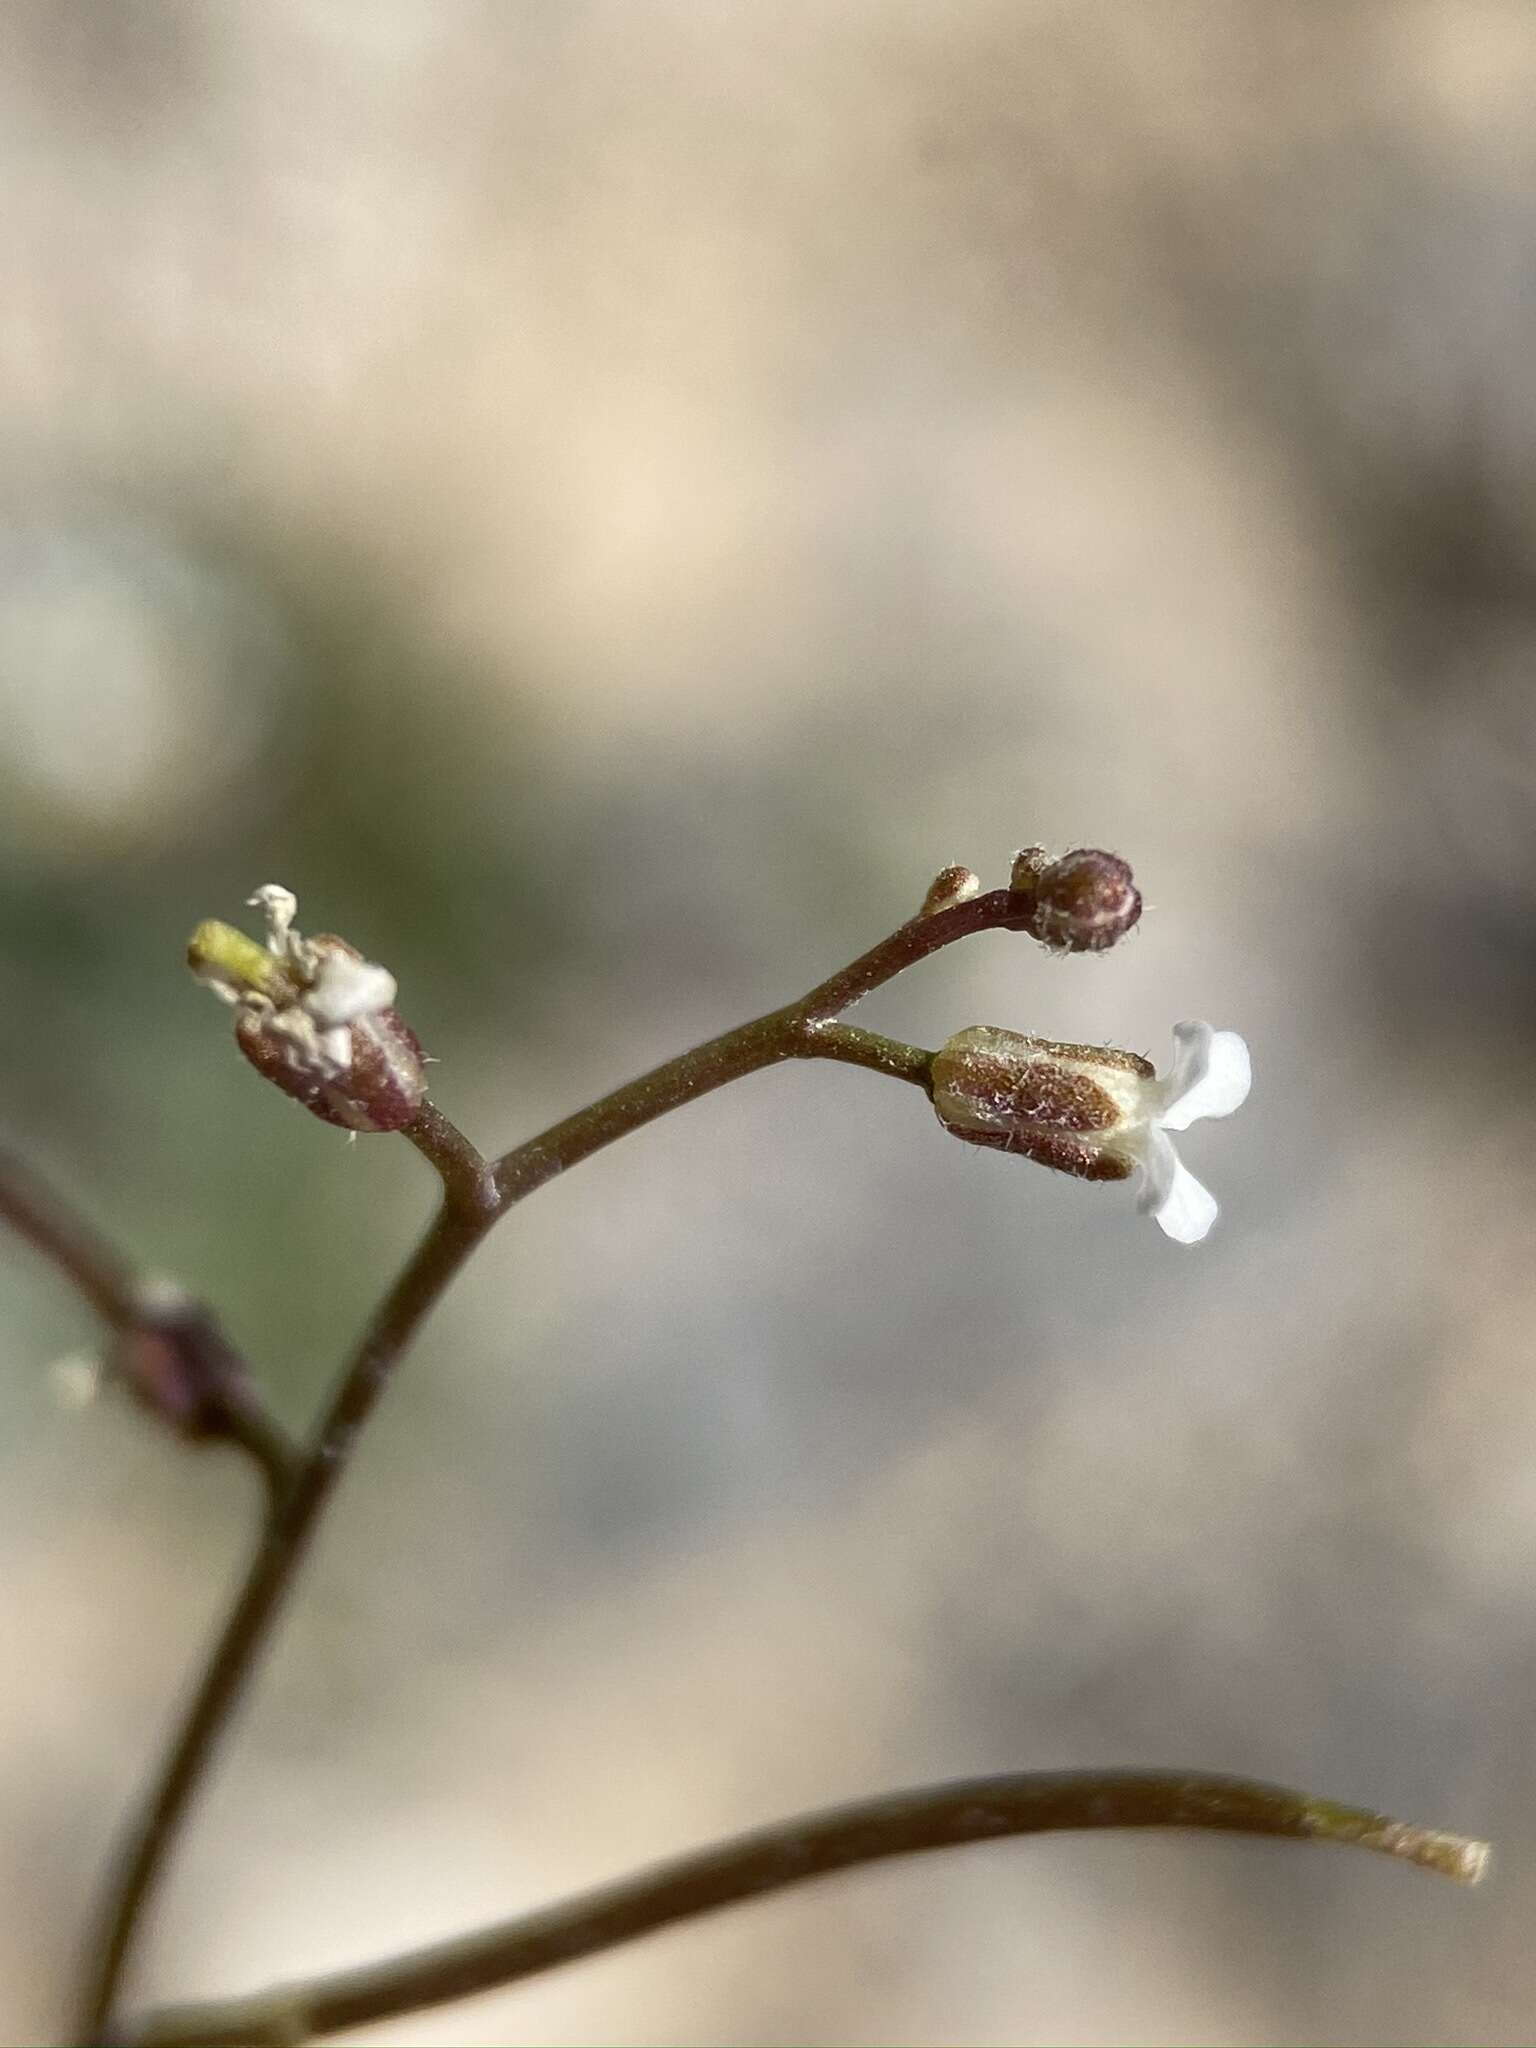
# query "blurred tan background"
(605, 500)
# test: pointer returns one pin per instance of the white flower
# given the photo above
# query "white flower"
(314, 1017)
(303, 995)
(1096, 1112)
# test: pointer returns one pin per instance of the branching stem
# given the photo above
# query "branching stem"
(477, 1193)
(476, 1196)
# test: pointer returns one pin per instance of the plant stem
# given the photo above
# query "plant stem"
(93, 1267)
(465, 1175)
(790, 1852)
(997, 910)
(476, 1196)
(859, 1048)
(283, 1546)
(231, 1409)
(762, 1043)
(785, 1034)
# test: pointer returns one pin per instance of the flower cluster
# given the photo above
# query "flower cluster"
(318, 1020)
(314, 1017)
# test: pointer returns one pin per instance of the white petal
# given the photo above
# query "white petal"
(1211, 1076)
(1188, 1209)
(336, 1048)
(1159, 1164)
(1191, 1056)
(279, 906)
(347, 989)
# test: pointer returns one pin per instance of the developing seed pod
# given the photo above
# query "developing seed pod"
(1093, 1111)
(1060, 1105)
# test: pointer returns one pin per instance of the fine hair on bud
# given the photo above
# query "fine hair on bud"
(1029, 864)
(1085, 902)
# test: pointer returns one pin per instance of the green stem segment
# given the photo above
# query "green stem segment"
(791, 1852)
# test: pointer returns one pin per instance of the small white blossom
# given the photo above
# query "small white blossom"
(1095, 1112)
(334, 991)
(314, 1017)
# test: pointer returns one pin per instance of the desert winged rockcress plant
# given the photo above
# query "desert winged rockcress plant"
(318, 1020)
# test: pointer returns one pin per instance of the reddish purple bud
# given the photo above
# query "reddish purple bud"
(1084, 902)
(315, 1018)
(180, 1366)
(382, 1082)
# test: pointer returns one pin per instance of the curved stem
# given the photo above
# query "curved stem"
(788, 1853)
(466, 1176)
(762, 1043)
(94, 1268)
(269, 1447)
(997, 910)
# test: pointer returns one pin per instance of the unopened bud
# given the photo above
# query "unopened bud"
(949, 887)
(1029, 864)
(315, 1018)
(1083, 902)
(178, 1364)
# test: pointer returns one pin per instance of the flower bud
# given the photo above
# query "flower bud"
(949, 887)
(315, 1018)
(177, 1363)
(1083, 902)
(1029, 864)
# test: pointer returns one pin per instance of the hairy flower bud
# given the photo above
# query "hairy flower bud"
(315, 1018)
(1083, 902)
(179, 1364)
(1094, 1112)
(1029, 864)
(950, 886)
